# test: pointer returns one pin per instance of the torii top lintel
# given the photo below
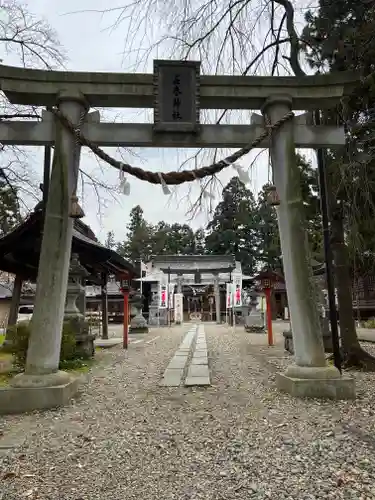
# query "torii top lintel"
(135, 90)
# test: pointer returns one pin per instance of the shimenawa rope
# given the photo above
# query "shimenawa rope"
(174, 177)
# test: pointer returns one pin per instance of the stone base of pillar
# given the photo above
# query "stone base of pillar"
(54, 379)
(37, 392)
(323, 382)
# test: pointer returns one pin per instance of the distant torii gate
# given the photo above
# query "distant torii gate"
(177, 92)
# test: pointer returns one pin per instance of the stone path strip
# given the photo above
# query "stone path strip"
(198, 373)
(174, 372)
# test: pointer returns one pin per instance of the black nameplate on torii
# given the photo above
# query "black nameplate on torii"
(176, 96)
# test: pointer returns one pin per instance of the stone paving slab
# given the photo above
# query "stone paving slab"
(198, 371)
(197, 381)
(178, 362)
(174, 372)
(172, 377)
(201, 346)
(199, 361)
(181, 353)
(200, 354)
(186, 344)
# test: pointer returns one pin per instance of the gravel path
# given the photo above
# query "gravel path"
(127, 438)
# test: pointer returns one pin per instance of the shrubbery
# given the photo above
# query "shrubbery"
(370, 323)
(19, 336)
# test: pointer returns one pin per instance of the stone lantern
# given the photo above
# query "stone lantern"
(76, 275)
(72, 315)
(254, 321)
(138, 324)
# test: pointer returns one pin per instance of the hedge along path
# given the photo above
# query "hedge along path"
(174, 177)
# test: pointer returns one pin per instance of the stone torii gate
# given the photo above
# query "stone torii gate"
(177, 92)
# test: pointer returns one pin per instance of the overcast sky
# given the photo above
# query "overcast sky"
(90, 46)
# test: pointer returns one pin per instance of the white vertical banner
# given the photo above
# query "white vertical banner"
(237, 289)
(163, 292)
(171, 292)
(143, 274)
(178, 308)
(229, 296)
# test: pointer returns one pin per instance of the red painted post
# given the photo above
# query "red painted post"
(269, 316)
(126, 317)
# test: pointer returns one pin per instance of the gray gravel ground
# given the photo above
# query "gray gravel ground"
(127, 438)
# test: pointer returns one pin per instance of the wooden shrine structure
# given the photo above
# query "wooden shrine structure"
(20, 253)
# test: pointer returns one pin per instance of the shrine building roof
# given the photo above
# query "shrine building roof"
(20, 249)
(189, 264)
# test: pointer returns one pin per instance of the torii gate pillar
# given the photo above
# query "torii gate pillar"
(43, 355)
(310, 376)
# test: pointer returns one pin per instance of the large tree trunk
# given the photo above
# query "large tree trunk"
(343, 282)
(353, 354)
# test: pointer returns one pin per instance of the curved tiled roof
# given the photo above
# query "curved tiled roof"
(192, 263)
(91, 251)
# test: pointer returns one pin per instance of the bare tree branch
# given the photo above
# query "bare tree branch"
(294, 39)
(224, 36)
(36, 45)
